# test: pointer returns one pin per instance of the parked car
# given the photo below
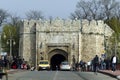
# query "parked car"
(65, 65)
(44, 65)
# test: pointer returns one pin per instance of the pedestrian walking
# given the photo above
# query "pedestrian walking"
(81, 64)
(88, 65)
(73, 62)
(113, 62)
(1, 67)
(95, 64)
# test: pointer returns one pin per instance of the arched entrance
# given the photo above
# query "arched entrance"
(56, 57)
(56, 60)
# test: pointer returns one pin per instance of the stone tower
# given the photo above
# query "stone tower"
(60, 40)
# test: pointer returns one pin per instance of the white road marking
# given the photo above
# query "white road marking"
(55, 77)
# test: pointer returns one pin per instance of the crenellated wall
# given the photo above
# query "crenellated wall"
(85, 38)
(96, 27)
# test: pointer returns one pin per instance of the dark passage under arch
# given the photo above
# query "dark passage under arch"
(56, 60)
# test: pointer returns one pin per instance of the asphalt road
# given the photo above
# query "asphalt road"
(57, 75)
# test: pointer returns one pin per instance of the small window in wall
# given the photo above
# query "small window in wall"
(34, 28)
(40, 52)
(41, 58)
(34, 24)
(28, 23)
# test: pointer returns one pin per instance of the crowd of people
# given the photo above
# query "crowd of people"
(98, 64)
(93, 65)
(14, 63)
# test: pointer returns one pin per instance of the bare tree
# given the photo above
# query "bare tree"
(15, 21)
(3, 16)
(36, 15)
(96, 9)
(117, 12)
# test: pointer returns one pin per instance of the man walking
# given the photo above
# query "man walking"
(95, 64)
(114, 61)
(74, 61)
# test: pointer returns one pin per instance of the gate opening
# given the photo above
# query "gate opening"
(56, 60)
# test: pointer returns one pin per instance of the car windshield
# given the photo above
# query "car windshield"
(64, 63)
(43, 62)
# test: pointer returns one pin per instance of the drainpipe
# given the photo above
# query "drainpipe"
(115, 45)
(78, 47)
(79, 37)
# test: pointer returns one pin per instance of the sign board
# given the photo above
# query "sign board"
(103, 55)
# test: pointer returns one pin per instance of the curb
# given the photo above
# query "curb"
(118, 77)
(114, 76)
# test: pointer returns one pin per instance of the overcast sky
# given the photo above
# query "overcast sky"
(55, 8)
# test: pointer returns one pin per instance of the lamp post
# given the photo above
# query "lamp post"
(11, 42)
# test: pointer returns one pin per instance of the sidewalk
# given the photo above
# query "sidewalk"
(115, 74)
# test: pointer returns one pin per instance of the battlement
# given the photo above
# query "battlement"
(85, 38)
(60, 25)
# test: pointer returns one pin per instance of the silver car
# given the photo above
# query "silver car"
(65, 66)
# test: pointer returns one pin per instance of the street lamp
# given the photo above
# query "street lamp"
(11, 42)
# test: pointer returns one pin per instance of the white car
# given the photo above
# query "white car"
(65, 66)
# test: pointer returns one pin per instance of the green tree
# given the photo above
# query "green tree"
(114, 24)
(11, 31)
(7, 34)
(114, 40)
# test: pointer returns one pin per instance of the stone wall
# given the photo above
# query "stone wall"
(86, 39)
(92, 45)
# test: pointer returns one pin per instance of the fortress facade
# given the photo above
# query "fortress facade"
(58, 40)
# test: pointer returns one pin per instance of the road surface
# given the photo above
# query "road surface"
(57, 75)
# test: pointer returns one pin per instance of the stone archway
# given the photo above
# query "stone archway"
(56, 60)
(56, 57)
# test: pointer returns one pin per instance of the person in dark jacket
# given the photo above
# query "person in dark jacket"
(1, 66)
(95, 63)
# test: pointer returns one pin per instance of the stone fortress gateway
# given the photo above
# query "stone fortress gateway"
(59, 40)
